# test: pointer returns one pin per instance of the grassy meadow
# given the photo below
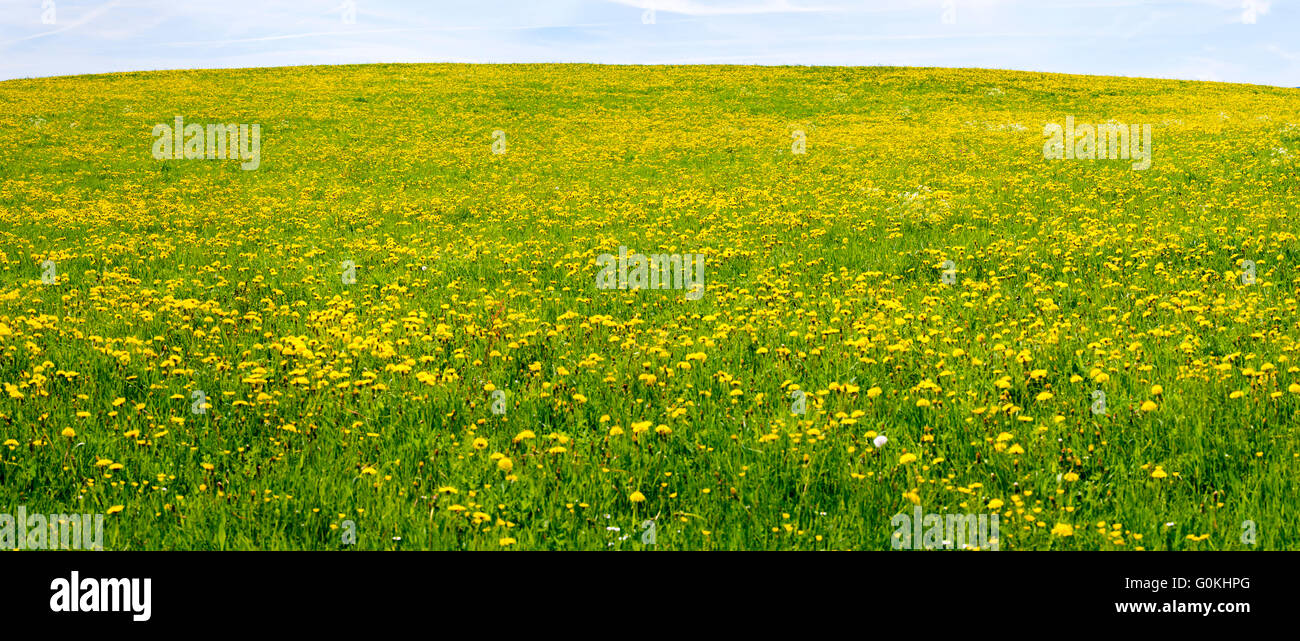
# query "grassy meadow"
(463, 382)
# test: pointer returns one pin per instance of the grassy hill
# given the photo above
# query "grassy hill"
(396, 323)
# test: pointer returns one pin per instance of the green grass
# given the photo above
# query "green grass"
(822, 272)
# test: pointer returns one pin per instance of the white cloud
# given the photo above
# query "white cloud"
(701, 8)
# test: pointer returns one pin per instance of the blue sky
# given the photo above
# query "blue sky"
(1252, 41)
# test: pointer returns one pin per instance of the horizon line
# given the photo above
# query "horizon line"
(633, 64)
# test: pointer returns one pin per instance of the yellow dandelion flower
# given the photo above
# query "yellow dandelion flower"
(1063, 529)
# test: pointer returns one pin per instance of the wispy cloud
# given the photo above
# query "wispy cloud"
(1283, 53)
(82, 20)
(737, 8)
(1189, 39)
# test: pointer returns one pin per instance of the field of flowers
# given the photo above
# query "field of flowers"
(390, 334)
